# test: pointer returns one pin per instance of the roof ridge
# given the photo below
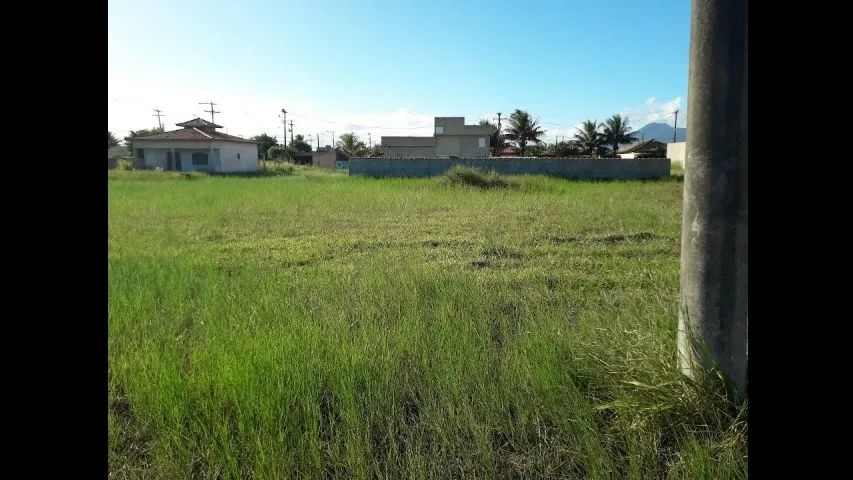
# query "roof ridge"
(199, 131)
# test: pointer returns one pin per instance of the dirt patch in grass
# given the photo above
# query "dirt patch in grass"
(130, 456)
(609, 238)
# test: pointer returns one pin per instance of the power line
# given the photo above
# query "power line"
(355, 125)
(211, 111)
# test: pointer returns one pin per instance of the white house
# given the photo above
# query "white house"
(197, 146)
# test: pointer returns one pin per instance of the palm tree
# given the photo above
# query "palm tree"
(351, 146)
(523, 130)
(588, 137)
(616, 131)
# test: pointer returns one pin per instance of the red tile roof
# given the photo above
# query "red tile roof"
(199, 123)
(193, 134)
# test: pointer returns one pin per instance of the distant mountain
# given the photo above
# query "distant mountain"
(661, 132)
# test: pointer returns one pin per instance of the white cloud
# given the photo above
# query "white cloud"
(248, 116)
(655, 111)
(132, 101)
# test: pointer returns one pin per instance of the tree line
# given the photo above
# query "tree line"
(591, 138)
(522, 131)
(349, 144)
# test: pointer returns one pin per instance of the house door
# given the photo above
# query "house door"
(178, 161)
(169, 160)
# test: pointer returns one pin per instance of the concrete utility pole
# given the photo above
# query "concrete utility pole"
(158, 115)
(211, 111)
(318, 141)
(712, 323)
(291, 131)
(675, 126)
(284, 120)
(369, 141)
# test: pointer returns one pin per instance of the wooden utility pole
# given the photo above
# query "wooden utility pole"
(712, 333)
(158, 115)
(284, 121)
(211, 111)
(291, 131)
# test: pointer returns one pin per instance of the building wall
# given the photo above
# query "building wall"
(455, 140)
(617, 168)
(326, 159)
(448, 145)
(157, 157)
(677, 152)
(224, 158)
(238, 157)
(391, 151)
(462, 146)
(460, 140)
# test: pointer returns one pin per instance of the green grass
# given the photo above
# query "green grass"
(677, 169)
(319, 325)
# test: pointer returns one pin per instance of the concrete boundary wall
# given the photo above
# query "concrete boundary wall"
(580, 168)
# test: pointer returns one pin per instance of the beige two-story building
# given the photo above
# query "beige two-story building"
(451, 138)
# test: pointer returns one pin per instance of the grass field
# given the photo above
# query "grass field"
(316, 325)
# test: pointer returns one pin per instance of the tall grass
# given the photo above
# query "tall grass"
(319, 325)
(461, 175)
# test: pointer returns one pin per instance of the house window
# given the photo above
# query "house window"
(199, 158)
(439, 130)
(482, 143)
(140, 153)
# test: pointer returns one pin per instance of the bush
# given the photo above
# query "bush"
(277, 152)
(275, 168)
(459, 175)
(125, 164)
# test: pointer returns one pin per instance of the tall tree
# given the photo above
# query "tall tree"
(376, 150)
(496, 141)
(128, 140)
(265, 142)
(298, 145)
(112, 140)
(617, 131)
(522, 129)
(351, 146)
(588, 138)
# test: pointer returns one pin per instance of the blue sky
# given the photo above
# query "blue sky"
(387, 67)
